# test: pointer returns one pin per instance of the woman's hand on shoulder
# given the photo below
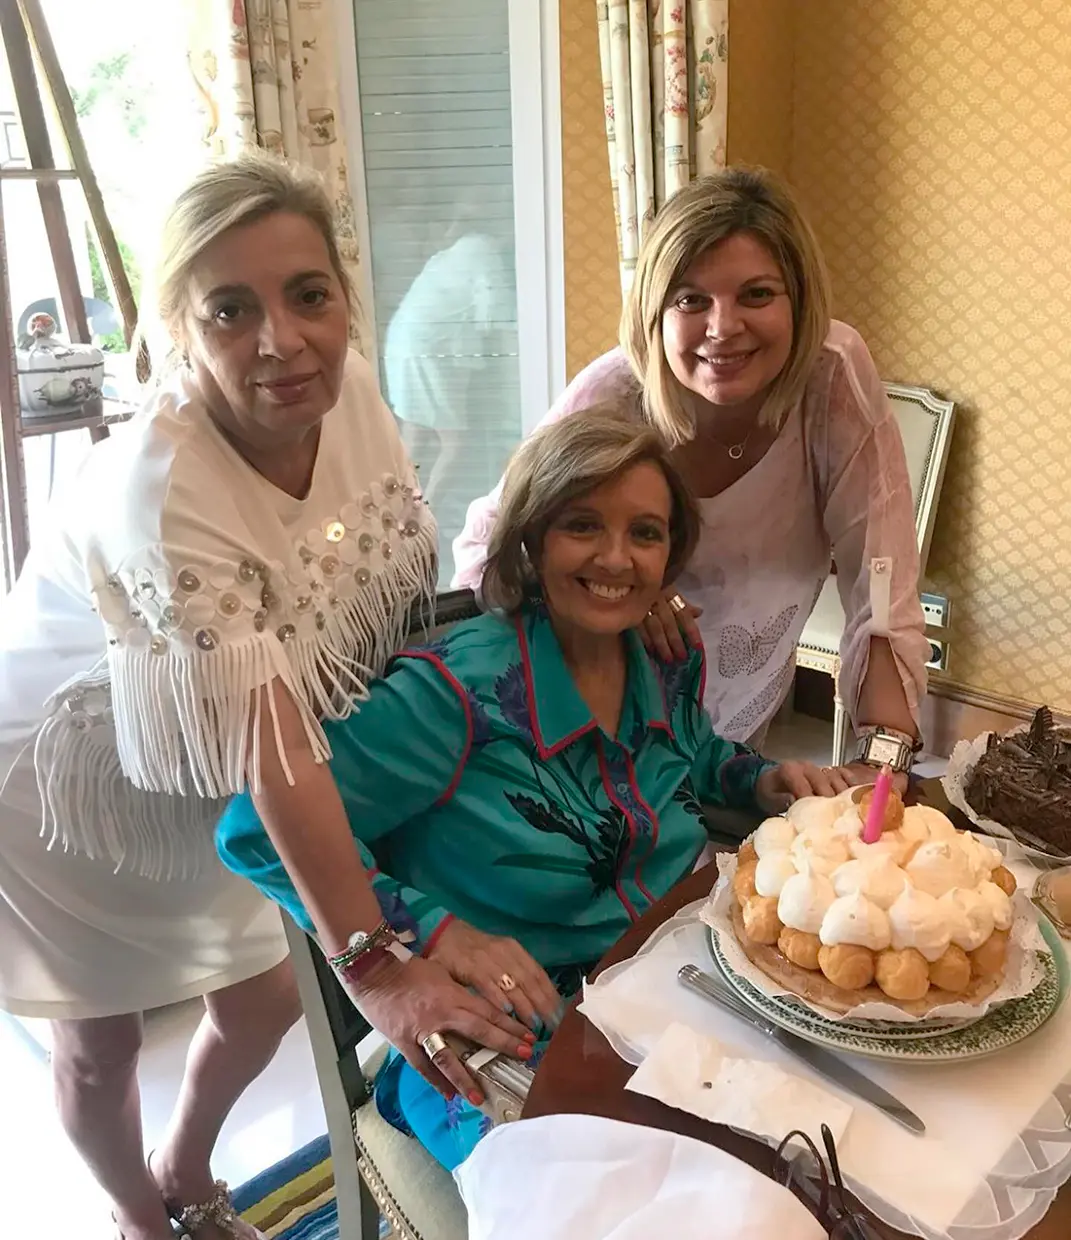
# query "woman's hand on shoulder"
(500, 969)
(670, 630)
(410, 1002)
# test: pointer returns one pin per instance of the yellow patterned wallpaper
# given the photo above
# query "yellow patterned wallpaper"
(592, 283)
(931, 143)
(760, 83)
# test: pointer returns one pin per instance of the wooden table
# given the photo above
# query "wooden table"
(581, 1074)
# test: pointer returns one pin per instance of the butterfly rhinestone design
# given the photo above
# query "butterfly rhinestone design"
(743, 653)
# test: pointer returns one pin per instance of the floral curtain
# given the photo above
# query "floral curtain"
(665, 70)
(265, 75)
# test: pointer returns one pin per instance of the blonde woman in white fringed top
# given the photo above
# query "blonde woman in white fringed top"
(226, 572)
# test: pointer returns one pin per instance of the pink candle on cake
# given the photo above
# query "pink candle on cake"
(875, 817)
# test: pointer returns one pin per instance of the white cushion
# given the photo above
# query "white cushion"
(417, 1195)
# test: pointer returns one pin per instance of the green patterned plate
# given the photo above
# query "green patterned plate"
(999, 1028)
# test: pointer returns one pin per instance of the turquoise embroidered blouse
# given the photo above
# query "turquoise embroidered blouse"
(478, 780)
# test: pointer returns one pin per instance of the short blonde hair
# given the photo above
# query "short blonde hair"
(698, 216)
(559, 464)
(224, 196)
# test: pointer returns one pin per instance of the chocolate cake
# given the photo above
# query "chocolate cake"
(1024, 783)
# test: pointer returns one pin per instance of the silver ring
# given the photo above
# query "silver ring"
(677, 604)
(434, 1044)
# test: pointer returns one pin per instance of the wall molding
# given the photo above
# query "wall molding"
(953, 712)
(1015, 708)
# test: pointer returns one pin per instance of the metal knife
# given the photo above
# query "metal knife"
(816, 1057)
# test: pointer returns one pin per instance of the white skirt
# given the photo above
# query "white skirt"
(79, 940)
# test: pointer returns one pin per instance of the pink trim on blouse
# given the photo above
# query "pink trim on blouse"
(455, 684)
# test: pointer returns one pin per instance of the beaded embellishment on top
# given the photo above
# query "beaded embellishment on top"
(162, 722)
(201, 608)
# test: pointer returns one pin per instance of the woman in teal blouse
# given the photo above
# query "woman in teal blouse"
(531, 783)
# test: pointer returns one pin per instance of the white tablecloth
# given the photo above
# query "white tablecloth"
(581, 1177)
(997, 1145)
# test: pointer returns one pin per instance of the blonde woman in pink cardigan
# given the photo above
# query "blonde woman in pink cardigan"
(781, 426)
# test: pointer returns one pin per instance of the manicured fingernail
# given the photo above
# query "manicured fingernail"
(529, 1037)
(476, 1098)
(524, 1051)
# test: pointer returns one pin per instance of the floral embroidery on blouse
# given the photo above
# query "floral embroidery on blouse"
(625, 793)
(482, 726)
(606, 843)
(511, 693)
(674, 675)
(738, 775)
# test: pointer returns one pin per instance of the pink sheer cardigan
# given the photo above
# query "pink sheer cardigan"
(834, 485)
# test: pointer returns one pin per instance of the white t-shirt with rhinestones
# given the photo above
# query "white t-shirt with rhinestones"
(833, 486)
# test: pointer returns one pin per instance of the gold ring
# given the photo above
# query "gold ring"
(434, 1044)
(677, 604)
(827, 770)
(507, 983)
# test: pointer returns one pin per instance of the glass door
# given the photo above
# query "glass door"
(438, 90)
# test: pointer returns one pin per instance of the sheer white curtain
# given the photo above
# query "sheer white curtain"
(665, 71)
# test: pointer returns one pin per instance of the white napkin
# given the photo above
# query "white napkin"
(693, 1072)
(974, 1110)
(580, 1177)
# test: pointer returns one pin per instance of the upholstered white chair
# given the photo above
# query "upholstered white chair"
(926, 428)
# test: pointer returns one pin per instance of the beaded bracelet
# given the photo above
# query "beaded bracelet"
(361, 942)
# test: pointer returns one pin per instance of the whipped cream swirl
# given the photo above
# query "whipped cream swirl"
(856, 921)
(917, 920)
(804, 900)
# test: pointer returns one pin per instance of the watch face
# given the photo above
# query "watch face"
(884, 750)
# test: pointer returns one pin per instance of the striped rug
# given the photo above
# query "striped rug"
(295, 1199)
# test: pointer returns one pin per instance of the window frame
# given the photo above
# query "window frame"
(535, 107)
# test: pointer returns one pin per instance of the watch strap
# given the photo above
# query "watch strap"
(883, 738)
(914, 743)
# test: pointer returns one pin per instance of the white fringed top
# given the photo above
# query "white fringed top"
(173, 582)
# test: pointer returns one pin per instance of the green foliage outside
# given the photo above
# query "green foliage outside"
(114, 342)
(108, 91)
